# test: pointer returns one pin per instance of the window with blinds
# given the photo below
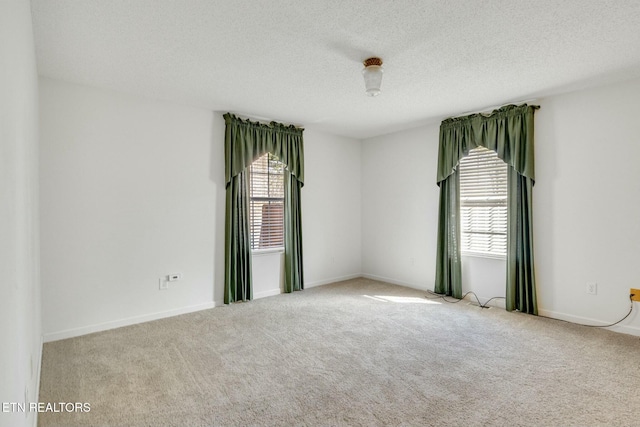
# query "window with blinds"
(483, 204)
(266, 202)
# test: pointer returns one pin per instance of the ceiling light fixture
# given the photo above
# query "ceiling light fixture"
(372, 73)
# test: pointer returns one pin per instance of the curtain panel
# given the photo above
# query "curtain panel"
(509, 132)
(245, 141)
(293, 274)
(237, 244)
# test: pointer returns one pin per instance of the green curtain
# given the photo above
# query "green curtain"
(448, 266)
(245, 141)
(521, 280)
(509, 132)
(293, 274)
(237, 252)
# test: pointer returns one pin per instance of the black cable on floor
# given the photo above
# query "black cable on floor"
(443, 297)
(485, 305)
(598, 326)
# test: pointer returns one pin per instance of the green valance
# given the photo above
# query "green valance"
(508, 131)
(245, 141)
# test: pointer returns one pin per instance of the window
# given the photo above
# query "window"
(266, 195)
(483, 204)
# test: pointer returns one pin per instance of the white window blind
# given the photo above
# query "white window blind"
(266, 195)
(483, 204)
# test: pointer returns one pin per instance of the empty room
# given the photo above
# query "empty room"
(319, 213)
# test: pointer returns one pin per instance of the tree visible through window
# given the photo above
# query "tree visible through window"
(483, 204)
(266, 202)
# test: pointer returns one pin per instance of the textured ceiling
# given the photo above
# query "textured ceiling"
(299, 61)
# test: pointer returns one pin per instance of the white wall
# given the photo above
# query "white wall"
(400, 207)
(586, 207)
(587, 203)
(267, 270)
(486, 277)
(20, 324)
(131, 191)
(331, 208)
(400, 215)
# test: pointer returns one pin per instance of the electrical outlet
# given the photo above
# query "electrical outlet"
(163, 284)
(592, 288)
(636, 294)
(174, 276)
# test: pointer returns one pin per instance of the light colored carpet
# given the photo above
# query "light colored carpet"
(358, 353)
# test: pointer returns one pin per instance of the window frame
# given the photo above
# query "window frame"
(492, 195)
(255, 236)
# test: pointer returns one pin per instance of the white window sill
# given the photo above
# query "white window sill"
(483, 255)
(259, 252)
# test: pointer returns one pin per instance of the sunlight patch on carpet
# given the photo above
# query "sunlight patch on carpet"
(400, 300)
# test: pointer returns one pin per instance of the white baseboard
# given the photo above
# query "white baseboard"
(257, 295)
(630, 330)
(332, 280)
(500, 303)
(494, 303)
(84, 330)
(273, 292)
(278, 291)
(395, 282)
(269, 293)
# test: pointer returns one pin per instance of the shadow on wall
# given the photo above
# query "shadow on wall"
(546, 152)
